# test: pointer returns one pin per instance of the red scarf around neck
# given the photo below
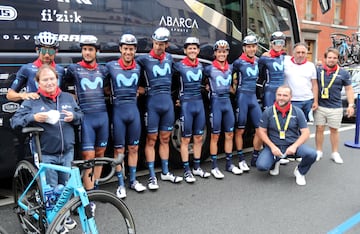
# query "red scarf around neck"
(190, 63)
(329, 70)
(87, 65)
(125, 67)
(38, 63)
(159, 57)
(293, 60)
(283, 110)
(217, 65)
(50, 96)
(247, 59)
(275, 54)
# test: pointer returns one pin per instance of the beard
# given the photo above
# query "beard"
(283, 103)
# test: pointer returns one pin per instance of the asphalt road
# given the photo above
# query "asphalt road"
(250, 203)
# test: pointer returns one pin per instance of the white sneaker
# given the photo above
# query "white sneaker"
(300, 179)
(243, 166)
(152, 183)
(217, 173)
(171, 177)
(284, 161)
(121, 192)
(319, 155)
(234, 170)
(137, 186)
(337, 158)
(275, 171)
(200, 172)
(189, 177)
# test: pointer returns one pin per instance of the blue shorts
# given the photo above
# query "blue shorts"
(126, 125)
(269, 96)
(247, 104)
(160, 113)
(222, 115)
(94, 131)
(305, 106)
(192, 118)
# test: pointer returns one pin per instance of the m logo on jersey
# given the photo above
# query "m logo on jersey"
(86, 83)
(278, 66)
(191, 76)
(158, 71)
(221, 81)
(123, 80)
(252, 71)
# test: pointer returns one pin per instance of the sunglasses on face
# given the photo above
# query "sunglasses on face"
(278, 42)
(49, 51)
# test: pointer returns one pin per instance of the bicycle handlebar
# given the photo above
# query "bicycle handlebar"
(91, 163)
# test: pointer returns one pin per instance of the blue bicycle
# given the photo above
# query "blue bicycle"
(340, 42)
(93, 212)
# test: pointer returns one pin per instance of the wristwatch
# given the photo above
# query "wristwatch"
(351, 105)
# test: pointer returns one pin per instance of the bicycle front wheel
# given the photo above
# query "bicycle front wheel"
(110, 213)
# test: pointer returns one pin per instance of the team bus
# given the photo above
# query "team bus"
(209, 20)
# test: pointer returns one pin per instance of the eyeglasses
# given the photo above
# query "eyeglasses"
(49, 51)
(278, 42)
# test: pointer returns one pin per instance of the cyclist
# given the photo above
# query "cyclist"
(246, 68)
(91, 81)
(192, 107)
(219, 77)
(125, 73)
(160, 110)
(47, 45)
(271, 68)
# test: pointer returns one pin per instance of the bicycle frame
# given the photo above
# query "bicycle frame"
(73, 187)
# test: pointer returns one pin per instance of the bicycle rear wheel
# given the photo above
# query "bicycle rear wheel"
(111, 214)
(23, 175)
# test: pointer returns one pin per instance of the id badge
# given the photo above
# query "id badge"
(325, 93)
(282, 135)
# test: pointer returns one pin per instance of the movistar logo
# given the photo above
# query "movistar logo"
(191, 76)
(123, 80)
(278, 66)
(86, 83)
(158, 71)
(223, 81)
(252, 71)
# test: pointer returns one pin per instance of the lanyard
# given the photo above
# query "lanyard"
(332, 79)
(278, 122)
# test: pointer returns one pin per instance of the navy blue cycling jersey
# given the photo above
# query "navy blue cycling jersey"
(158, 74)
(220, 81)
(25, 77)
(190, 80)
(124, 82)
(89, 86)
(271, 70)
(247, 75)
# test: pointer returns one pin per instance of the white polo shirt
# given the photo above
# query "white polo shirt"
(298, 77)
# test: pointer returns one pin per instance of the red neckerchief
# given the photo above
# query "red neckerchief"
(155, 56)
(247, 59)
(38, 63)
(283, 110)
(275, 54)
(293, 60)
(190, 63)
(329, 70)
(87, 65)
(50, 96)
(217, 65)
(124, 67)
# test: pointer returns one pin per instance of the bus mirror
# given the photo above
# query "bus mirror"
(325, 5)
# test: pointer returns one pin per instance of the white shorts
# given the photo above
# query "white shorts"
(330, 116)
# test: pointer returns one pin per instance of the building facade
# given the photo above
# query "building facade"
(317, 28)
